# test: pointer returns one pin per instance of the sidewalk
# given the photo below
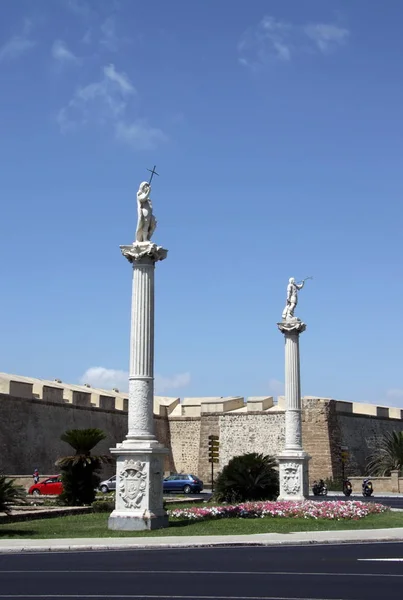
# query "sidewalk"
(261, 539)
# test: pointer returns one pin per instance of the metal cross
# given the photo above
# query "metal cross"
(153, 172)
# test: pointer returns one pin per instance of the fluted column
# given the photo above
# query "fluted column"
(293, 430)
(140, 457)
(293, 461)
(141, 372)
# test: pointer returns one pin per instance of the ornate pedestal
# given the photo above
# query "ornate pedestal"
(140, 466)
(293, 461)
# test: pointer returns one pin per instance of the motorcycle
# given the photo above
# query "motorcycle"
(319, 488)
(347, 487)
(367, 488)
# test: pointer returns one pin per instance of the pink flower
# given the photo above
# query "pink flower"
(336, 510)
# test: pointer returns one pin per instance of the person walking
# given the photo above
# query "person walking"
(36, 476)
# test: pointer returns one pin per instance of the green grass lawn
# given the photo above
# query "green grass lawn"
(95, 525)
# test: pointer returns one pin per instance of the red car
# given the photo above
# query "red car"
(48, 487)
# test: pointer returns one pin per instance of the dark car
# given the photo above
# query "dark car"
(182, 483)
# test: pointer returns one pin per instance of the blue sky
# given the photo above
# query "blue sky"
(276, 127)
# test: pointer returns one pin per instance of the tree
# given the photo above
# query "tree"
(10, 493)
(80, 471)
(248, 477)
(388, 455)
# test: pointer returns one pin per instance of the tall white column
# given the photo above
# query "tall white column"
(293, 461)
(139, 459)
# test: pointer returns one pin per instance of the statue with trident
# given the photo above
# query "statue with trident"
(146, 222)
(292, 297)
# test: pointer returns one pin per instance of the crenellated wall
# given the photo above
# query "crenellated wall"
(30, 432)
(34, 413)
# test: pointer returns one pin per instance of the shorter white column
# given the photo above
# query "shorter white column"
(293, 461)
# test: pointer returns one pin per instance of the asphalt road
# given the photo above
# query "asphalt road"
(287, 573)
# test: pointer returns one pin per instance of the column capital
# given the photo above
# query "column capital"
(143, 250)
(292, 326)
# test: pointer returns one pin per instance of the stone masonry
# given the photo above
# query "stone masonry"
(33, 417)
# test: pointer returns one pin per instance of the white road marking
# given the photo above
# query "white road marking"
(162, 597)
(269, 573)
(381, 559)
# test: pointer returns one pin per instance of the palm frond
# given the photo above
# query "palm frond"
(80, 470)
(388, 455)
(10, 494)
(83, 440)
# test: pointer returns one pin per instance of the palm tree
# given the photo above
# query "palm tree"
(80, 471)
(388, 455)
(10, 494)
(251, 476)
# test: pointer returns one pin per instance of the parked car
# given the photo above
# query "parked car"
(108, 485)
(52, 486)
(182, 483)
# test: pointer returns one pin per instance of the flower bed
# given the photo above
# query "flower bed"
(335, 510)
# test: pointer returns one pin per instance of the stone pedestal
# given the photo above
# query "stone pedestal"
(140, 457)
(293, 461)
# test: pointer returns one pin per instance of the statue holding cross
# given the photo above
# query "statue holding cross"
(146, 222)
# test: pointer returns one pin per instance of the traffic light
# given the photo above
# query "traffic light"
(213, 448)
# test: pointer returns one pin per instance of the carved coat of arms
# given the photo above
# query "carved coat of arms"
(132, 483)
(290, 478)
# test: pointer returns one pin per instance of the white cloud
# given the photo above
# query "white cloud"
(139, 135)
(61, 52)
(327, 36)
(78, 7)
(121, 79)
(109, 37)
(108, 102)
(100, 377)
(269, 41)
(106, 379)
(18, 44)
(102, 101)
(165, 384)
(278, 41)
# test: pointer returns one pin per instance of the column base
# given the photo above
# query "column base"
(294, 475)
(139, 476)
(136, 521)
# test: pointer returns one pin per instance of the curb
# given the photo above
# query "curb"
(179, 545)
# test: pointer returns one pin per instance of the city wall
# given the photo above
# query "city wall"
(34, 413)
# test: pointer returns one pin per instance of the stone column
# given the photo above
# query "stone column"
(293, 461)
(139, 458)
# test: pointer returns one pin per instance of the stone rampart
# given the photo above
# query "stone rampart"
(184, 445)
(34, 413)
(30, 432)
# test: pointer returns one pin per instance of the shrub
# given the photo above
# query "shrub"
(334, 485)
(103, 506)
(80, 471)
(10, 494)
(248, 477)
(388, 455)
